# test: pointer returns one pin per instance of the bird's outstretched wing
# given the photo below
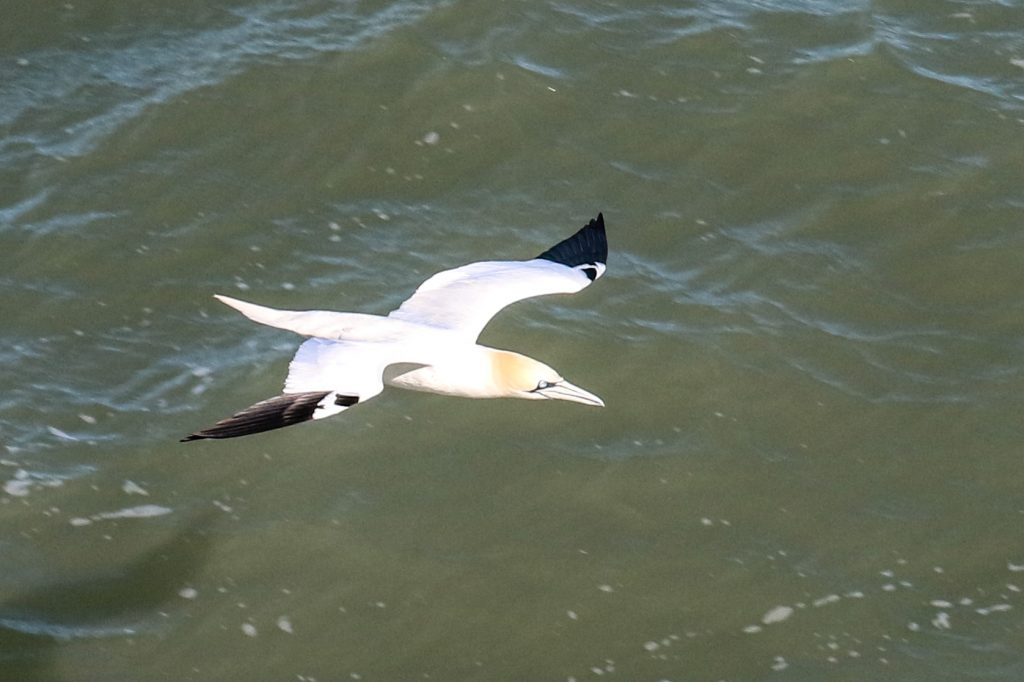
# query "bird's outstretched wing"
(324, 378)
(463, 300)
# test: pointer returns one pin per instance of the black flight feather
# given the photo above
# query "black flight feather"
(273, 413)
(588, 246)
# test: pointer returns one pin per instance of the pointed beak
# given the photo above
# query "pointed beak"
(563, 390)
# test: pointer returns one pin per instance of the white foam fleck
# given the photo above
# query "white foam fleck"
(432, 138)
(1014, 568)
(941, 620)
(651, 646)
(995, 608)
(779, 664)
(941, 603)
(777, 615)
(24, 481)
(572, 615)
(249, 629)
(144, 511)
(188, 593)
(752, 629)
(284, 624)
(63, 435)
(17, 487)
(827, 599)
(133, 488)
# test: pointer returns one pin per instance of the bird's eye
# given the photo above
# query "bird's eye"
(541, 385)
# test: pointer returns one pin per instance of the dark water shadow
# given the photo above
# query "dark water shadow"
(33, 625)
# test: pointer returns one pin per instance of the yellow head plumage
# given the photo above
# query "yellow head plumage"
(517, 376)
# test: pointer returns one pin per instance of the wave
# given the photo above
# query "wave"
(64, 101)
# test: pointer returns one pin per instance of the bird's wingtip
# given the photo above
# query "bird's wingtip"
(241, 306)
(266, 415)
(588, 246)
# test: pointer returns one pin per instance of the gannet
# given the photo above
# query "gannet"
(429, 343)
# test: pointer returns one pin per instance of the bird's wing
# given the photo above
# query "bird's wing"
(325, 324)
(342, 364)
(464, 299)
(324, 378)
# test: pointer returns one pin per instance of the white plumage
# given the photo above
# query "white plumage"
(427, 344)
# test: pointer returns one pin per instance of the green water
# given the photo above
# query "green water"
(808, 339)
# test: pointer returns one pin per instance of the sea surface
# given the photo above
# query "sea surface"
(810, 340)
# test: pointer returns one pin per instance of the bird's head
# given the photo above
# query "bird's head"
(521, 377)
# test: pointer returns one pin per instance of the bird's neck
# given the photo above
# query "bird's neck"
(472, 372)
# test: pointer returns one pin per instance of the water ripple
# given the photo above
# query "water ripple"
(111, 82)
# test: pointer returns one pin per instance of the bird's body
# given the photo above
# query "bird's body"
(426, 344)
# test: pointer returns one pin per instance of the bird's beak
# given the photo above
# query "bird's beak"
(563, 390)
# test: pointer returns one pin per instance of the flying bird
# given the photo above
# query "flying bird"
(429, 343)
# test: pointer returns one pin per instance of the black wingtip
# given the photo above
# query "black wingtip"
(588, 246)
(274, 413)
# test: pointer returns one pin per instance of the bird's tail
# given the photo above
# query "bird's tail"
(275, 413)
